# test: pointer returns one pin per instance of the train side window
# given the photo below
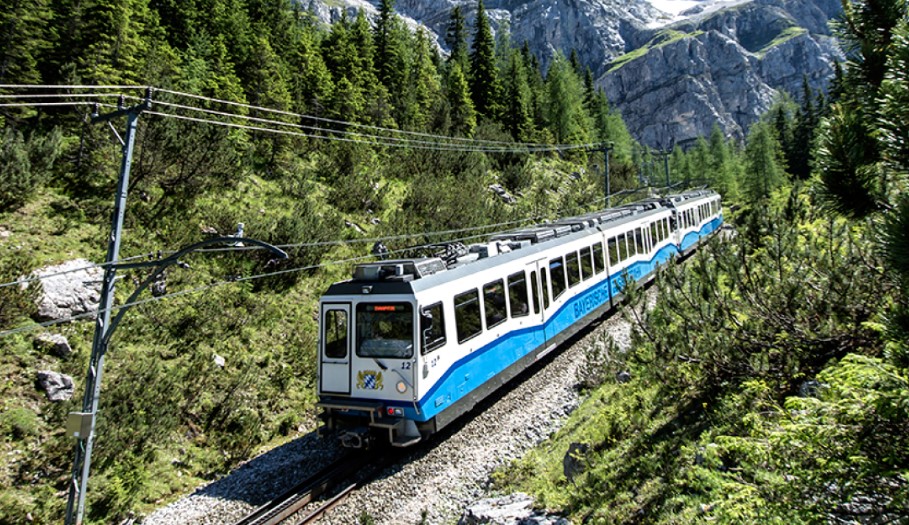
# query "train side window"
(623, 247)
(586, 263)
(517, 295)
(613, 252)
(335, 335)
(574, 268)
(653, 232)
(632, 243)
(494, 303)
(557, 273)
(545, 277)
(598, 262)
(467, 315)
(534, 292)
(432, 326)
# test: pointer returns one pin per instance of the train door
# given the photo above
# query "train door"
(335, 349)
(539, 289)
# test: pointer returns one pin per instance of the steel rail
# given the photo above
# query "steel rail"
(307, 491)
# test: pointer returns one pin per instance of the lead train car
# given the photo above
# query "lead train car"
(407, 346)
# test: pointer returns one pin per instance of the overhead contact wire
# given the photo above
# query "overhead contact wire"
(353, 124)
(434, 147)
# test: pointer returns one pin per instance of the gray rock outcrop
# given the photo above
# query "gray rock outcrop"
(58, 387)
(513, 509)
(68, 289)
(724, 68)
(56, 344)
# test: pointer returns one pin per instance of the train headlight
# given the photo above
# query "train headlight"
(401, 387)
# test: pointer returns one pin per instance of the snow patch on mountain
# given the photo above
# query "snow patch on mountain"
(678, 10)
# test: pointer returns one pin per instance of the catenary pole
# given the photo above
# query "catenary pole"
(607, 147)
(82, 424)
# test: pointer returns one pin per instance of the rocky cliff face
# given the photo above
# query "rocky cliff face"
(723, 68)
(721, 63)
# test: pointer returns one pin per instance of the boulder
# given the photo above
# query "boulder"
(575, 460)
(58, 387)
(68, 289)
(56, 344)
(505, 510)
(514, 509)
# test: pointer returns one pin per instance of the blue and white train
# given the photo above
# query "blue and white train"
(407, 346)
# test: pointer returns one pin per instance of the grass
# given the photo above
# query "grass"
(788, 34)
(663, 38)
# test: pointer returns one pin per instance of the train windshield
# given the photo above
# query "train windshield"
(385, 330)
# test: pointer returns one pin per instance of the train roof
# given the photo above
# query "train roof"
(406, 276)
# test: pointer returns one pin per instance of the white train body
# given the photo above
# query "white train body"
(407, 346)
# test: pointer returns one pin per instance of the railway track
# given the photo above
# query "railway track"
(310, 490)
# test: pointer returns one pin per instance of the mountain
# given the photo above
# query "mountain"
(673, 76)
(722, 67)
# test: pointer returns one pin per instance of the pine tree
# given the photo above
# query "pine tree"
(517, 116)
(389, 38)
(720, 175)
(23, 39)
(484, 85)
(566, 115)
(609, 127)
(310, 81)
(575, 62)
(849, 152)
(863, 170)
(422, 88)
(537, 86)
(765, 166)
(456, 37)
(268, 88)
(23, 42)
(112, 42)
(806, 122)
(208, 70)
(461, 110)
(348, 101)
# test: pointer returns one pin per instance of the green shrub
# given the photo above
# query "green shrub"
(25, 164)
(16, 302)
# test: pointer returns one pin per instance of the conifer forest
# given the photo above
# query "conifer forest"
(770, 379)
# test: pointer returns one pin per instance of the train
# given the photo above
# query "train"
(407, 346)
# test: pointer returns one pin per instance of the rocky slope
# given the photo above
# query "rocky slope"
(724, 67)
(672, 75)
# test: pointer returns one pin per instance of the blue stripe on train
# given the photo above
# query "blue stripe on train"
(480, 366)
